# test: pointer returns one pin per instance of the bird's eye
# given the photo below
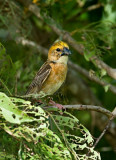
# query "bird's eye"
(58, 49)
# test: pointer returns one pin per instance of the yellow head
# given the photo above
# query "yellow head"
(59, 52)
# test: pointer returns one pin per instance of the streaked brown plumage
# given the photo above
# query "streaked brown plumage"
(53, 72)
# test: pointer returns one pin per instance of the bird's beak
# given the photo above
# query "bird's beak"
(65, 52)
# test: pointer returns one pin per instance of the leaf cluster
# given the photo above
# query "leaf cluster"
(28, 127)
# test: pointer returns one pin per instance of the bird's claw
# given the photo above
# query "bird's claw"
(60, 106)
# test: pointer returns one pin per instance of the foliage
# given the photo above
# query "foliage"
(29, 125)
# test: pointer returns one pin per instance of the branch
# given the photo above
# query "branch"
(76, 67)
(90, 8)
(95, 6)
(81, 107)
(102, 134)
(32, 44)
(104, 131)
(66, 36)
(100, 64)
(93, 77)
(106, 127)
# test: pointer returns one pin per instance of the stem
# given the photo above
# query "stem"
(5, 87)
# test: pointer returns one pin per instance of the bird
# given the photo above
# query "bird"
(52, 73)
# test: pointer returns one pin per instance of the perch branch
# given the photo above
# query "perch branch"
(80, 107)
(66, 36)
(76, 67)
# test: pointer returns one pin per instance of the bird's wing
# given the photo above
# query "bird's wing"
(40, 78)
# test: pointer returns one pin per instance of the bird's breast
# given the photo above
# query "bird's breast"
(55, 79)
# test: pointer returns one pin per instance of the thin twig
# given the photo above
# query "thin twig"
(90, 8)
(104, 131)
(102, 134)
(65, 140)
(5, 87)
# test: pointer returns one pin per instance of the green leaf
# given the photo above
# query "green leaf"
(2, 50)
(106, 88)
(89, 55)
(103, 72)
(10, 112)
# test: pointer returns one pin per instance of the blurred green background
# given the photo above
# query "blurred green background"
(91, 23)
